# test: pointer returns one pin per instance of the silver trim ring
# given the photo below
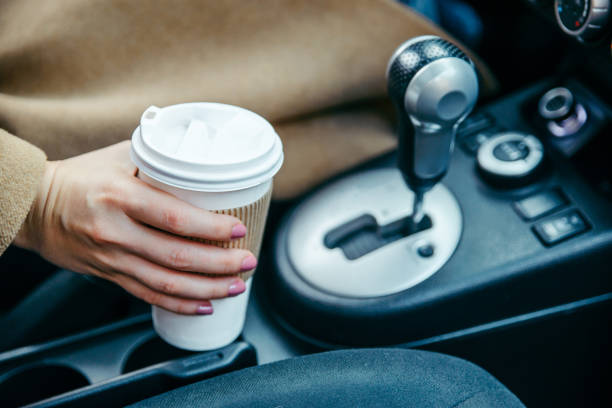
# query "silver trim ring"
(595, 20)
(561, 111)
(515, 169)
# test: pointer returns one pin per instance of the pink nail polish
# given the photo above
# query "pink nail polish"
(238, 231)
(204, 310)
(236, 288)
(248, 263)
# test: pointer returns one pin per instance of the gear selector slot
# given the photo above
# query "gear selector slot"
(368, 248)
(362, 235)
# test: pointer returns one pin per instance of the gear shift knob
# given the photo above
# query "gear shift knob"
(433, 86)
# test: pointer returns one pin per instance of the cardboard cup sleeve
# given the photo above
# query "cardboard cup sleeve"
(253, 216)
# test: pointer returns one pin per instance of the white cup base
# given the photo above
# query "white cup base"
(206, 332)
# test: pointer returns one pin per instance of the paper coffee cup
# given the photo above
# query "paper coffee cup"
(220, 158)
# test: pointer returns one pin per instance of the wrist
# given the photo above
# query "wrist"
(29, 236)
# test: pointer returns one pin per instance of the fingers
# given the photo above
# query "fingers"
(171, 303)
(178, 284)
(166, 212)
(182, 254)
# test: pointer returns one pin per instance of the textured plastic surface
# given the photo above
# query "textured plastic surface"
(124, 362)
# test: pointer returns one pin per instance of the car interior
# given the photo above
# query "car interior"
(496, 253)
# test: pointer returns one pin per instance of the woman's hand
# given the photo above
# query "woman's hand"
(93, 216)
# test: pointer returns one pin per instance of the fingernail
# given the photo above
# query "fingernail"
(236, 288)
(248, 263)
(238, 231)
(204, 310)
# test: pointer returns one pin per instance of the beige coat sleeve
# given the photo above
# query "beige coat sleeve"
(21, 169)
(75, 75)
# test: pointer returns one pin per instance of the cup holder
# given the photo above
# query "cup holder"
(36, 382)
(152, 351)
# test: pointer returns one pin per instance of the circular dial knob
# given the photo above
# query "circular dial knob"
(556, 104)
(584, 19)
(510, 159)
(564, 116)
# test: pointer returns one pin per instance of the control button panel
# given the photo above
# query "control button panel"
(561, 227)
(540, 204)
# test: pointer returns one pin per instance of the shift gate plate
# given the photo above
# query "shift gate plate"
(389, 269)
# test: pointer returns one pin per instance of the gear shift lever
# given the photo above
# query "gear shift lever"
(359, 223)
(433, 86)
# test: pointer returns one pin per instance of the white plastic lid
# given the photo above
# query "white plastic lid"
(206, 147)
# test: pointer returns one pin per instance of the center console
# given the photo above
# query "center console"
(536, 232)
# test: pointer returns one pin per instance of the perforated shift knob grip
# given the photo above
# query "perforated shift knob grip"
(433, 86)
(415, 54)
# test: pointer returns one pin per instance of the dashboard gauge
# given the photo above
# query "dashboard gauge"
(584, 19)
(573, 13)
